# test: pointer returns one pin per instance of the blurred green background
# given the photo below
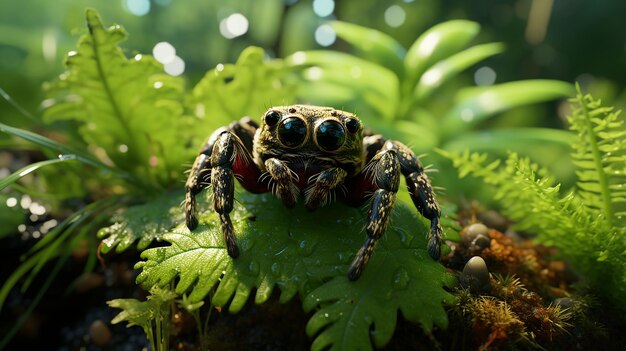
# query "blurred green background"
(570, 40)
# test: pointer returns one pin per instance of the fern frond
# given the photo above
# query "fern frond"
(600, 155)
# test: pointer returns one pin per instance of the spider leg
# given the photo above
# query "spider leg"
(421, 193)
(283, 181)
(222, 182)
(385, 170)
(324, 183)
(225, 154)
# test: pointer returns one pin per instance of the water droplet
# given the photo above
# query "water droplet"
(306, 247)
(275, 268)
(402, 235)
(253, 267)
(343, 257)
(401, 279)
(326, 315)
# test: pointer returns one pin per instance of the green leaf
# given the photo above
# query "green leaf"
(129, 108)
(438, 42)
(298, 251)
(490, 101)
(372, 45)
(599, 152)
(372, 84)
(14, 177)
(349, 313)
(499, 140)
(142, 313)
(146, 223)
(447, 68)
(246, 88)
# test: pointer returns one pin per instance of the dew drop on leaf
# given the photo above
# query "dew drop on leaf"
(401, 278)
(343, 257)
(306, 247)
(253, 267)
(275, 268)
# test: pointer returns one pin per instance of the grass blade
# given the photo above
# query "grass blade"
(51, 145)
(31, 168)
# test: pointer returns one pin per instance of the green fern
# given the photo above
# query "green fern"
(152, 315)
(142, 224)
(127, 108)
(600, 155)
(586, 224)
(299, 252)
(247, 88)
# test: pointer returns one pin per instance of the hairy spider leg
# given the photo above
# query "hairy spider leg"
(385, 172)
(282, 181)
(226, 154)
(421, 193)
(387, 160)
(323, 184)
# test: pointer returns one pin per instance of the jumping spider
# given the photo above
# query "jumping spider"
(315, 150)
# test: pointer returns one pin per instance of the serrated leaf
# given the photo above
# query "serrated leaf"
(143, 223)
(297, 251)
(372, 45)
(350, 313)
(246, 88)
(142, 313)
(111, 97)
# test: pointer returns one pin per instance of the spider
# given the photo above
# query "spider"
(320, 152)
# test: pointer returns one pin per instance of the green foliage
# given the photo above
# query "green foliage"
(136, 132)
(586, 224)
(152, 315)
(402, 92)
(142, 223)
(247, 88)
(127, 108)
(300, 253)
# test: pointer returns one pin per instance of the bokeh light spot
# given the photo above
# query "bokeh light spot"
(234, 25)
(164, 52)
(485, 76)
(323, 8)
(11, 202)
(395, 16)
(137, 7)
(325, 35)
(176, 67)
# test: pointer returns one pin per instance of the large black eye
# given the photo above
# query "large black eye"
(330, 135)
(353, 125)
(292, 131)
(272, 117)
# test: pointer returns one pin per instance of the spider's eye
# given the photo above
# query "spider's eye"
(353, 125)
(330, 135)
(272, 117)
(292, 131)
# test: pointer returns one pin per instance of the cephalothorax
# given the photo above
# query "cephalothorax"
(320, 153)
